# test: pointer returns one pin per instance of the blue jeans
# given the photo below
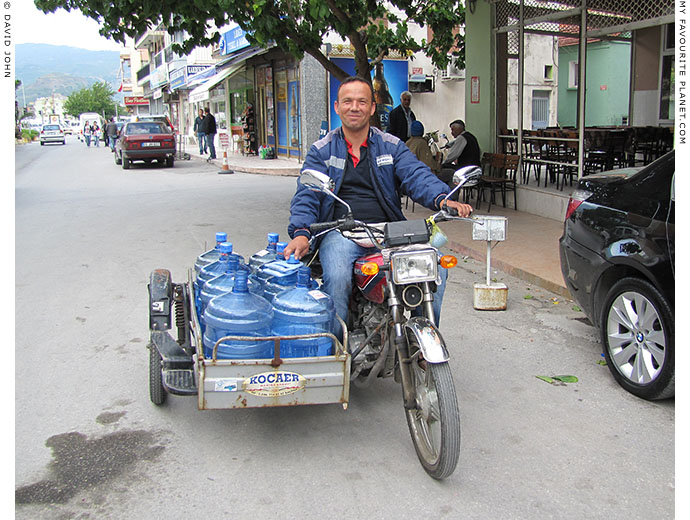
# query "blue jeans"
(211, 145)
(338, 255)
(202, 142)
(87, 138)
(96, 141)
(112, 140)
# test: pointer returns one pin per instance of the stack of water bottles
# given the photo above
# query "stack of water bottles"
(269, 296)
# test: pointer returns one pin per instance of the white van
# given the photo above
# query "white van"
(90, 117)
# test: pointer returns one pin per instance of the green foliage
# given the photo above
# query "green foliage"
(296, 26)
(96, 98)
(29, 134)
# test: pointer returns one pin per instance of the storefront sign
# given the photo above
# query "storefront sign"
(196, 69)
(177, 78)
(136, 100)
(158, 93)
(234, 39)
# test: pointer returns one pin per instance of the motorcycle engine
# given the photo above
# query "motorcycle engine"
(369, 316)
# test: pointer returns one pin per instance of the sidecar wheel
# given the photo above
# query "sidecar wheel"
(435, 423)
(157, 392)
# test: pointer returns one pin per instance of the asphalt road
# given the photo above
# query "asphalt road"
(90, 445)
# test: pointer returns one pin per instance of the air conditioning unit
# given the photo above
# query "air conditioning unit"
(452, 71)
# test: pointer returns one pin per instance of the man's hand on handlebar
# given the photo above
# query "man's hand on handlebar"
(464, 210)
(299, 246)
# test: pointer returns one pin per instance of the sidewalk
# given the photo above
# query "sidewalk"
(530, 251)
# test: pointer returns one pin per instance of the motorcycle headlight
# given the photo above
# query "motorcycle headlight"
(414, 266)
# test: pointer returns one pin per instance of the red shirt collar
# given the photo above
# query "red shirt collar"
(355, 160)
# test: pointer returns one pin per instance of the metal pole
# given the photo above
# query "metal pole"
(488, 263)
(581, 91)
(521, 82)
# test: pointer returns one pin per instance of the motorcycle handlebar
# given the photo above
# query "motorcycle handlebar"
(343, 224)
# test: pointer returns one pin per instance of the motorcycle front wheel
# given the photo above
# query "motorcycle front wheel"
(435, 422)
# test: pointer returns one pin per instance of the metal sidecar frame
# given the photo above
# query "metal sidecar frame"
(177, 365)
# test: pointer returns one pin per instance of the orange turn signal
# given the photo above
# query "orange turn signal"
(370, 268)
(448, 261)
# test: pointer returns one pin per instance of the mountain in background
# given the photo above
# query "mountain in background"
(46, 69)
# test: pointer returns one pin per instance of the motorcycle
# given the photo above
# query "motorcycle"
(392, 332)
(392, 326)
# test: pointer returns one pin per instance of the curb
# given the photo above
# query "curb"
(511, 270)
(279, 171)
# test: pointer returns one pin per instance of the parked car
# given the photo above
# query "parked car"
(145, 141)
(160, 118)
(67, 129)
(51, 133)
(618, 261)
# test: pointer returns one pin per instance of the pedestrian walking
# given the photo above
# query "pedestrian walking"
(87, 133)
(96, 134)
(201, 136)
(111, 133)
(209, 128)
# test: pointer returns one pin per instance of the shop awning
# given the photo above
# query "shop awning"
(242, 55)
(201, 93)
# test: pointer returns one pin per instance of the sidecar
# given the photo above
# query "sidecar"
(177, 365)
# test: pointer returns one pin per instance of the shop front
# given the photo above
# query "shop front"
(278, 108)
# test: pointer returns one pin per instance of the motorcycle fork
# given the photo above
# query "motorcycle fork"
(401, 347)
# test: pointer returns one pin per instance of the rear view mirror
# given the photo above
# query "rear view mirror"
(467, 176)
(316, 180)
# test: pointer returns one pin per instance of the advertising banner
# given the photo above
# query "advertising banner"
(390, 79)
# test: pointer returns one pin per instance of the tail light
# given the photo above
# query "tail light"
(577, 198)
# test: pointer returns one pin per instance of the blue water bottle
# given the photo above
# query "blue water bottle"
(265, 255)
(207, 258)
(223, 284)
(238, 313)
(303, 310)
(220, 266)
(261, 275)
(211, 255)
(282, 275)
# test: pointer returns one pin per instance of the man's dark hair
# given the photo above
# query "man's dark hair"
(207, 110)
(352, 79)
(458, 122)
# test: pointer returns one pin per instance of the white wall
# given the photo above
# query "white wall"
(540, 50)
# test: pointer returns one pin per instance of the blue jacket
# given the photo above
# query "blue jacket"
(395, 170)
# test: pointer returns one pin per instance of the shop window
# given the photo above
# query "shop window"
(548, 72)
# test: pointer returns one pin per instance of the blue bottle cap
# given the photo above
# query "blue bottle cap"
(221, 237)
(280, 246)
(272, 238)
(226, 247)
(293, 260)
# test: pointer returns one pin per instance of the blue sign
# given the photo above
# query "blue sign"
(233, 40)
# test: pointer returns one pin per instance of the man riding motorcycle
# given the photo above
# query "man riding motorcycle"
(370, 169)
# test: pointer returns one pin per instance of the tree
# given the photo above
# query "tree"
(96, 98)
(296, 26)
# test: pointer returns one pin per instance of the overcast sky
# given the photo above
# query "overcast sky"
(59, 28)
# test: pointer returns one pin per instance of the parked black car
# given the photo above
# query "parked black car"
(618, 260)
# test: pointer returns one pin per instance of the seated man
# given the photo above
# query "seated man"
(370, 169)
(420, 147)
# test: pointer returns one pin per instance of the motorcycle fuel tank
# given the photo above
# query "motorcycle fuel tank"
(372, 286)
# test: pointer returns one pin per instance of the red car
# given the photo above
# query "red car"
(145, 141)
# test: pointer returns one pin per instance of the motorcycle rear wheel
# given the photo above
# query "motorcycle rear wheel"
(435, 423)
